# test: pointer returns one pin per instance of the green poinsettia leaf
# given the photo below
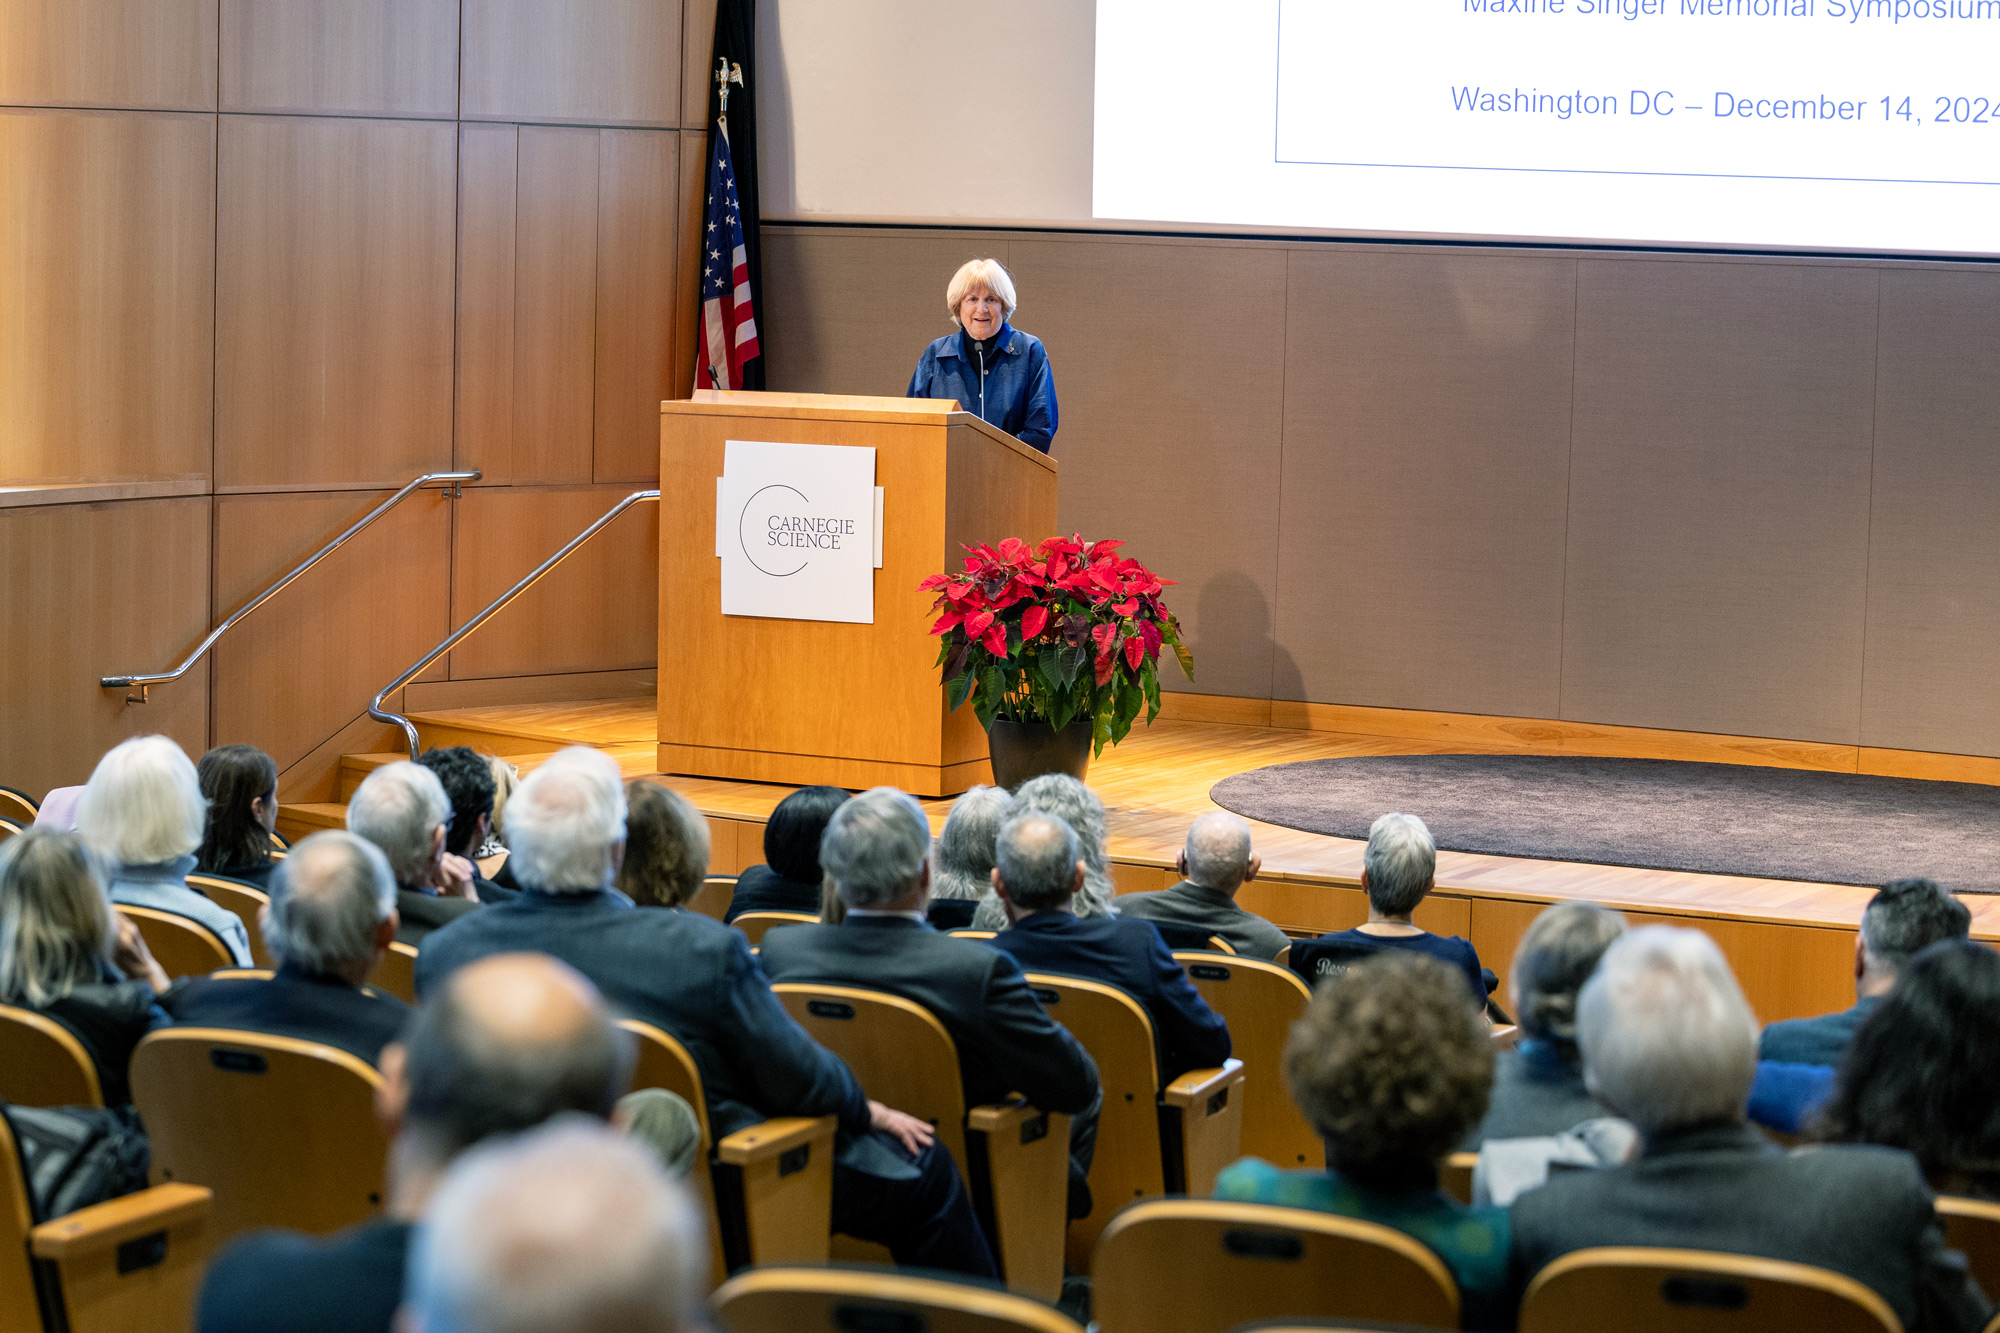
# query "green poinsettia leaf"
(1070, 661)
(1185, 658)
(957, 688)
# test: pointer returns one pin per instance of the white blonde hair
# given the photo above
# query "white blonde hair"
(565, 820)
(973, 273)
(143, 804)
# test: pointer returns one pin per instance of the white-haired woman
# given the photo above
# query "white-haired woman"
(1076, 805)
(143, 812)
(991, 368)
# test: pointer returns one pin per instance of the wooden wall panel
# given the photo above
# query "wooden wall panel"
(555, 304)
(613, 62)
(638, 186)
(305, 664)
(487, 161)
(152, 54)
(341, 57)
(334, 294)
(597, 611)
(687, 265)
(107, 235)
(96, 590)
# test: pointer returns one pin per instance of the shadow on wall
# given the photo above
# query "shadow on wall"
(1234, 651)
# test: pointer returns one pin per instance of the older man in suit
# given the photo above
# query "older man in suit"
(402, 808)
(1215, 863)
(1668, 1043)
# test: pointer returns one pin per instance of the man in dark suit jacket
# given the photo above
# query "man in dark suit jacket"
(1039, 870)
(696, 979)
(1215, 863)
(402, 809)
(1669, 1044)
(1904, 917)
(332, 913)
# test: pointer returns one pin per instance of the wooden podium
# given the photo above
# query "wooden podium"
(803, 701)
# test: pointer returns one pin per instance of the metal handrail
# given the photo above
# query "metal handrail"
(146, 683)
(409, 731)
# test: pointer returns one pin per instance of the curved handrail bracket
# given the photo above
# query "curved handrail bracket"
(463, 631)
(146, 682)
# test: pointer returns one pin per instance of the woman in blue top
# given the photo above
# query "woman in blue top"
(992, 368)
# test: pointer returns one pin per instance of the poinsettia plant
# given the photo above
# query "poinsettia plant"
(1059, 631)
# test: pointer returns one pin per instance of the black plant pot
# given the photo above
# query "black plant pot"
(1023, 750)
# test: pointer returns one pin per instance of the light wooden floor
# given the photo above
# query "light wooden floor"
(1792, 943)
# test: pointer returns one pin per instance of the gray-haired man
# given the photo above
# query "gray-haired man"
(1215, 863)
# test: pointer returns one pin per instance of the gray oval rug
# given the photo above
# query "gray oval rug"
(1656, 814)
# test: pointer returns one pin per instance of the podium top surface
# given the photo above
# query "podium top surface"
(847, 407)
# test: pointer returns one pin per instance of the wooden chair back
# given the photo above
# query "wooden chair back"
(283, 1131)
(182, 945)
(279, 846)
(898, 1049)
(396, 974)
(1284, 958)
(836, 1300)
(17, 807)
(1972, 1227)
(754, 925)
(972, 934)
(1197, 1266)
(662, 1062)
(1261, 1001)
(245, 902)
(1455, 1175)
(1637, 1290)
(8, 828)
(712, 899)
(43, 1064)
(19, 1308)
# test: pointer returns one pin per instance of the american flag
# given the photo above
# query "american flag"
(729, 323)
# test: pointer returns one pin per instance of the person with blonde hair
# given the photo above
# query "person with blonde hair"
(66, 955)
(143, 812)
(666, 846)
(994, 370)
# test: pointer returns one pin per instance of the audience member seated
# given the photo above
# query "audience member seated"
(1215, 863)
(402, 809)
(332, 913)
(1396, 871)
(241, 785)
(789, 879)
(569, 1229)
(467, 780)
(1669, 1044)
(65, 954)
(1923, 1073)
(1038, 875)
(963, 858)
(1076, 805)
(143, 812)
(1392, 1068)
(492, 853)
(666, 847)
(877, 856)
(696, 978)
(1906, 915)
(1538, 1086)
(503, 1046)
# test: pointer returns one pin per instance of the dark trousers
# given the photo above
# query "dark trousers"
(917, 1206)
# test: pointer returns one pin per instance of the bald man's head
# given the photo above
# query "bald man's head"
(1217, 855)
(505, 1044)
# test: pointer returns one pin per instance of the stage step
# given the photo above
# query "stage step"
(298, 820)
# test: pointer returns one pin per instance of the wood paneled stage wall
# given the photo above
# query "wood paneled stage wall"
(262, 261)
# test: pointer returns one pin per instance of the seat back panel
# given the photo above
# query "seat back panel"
(898, 1049)
(183, 947)
(43, 1064)
(1635, 1290)
(1261, 1001)
(245, 902)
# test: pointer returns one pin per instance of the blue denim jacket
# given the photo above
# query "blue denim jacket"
(1019, 394)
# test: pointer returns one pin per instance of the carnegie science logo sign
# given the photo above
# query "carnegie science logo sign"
(782, 532)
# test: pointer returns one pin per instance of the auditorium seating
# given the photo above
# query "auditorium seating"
(17, 807)
(245, 902)
(768, 1189)
(1972, 1227)
(1196, 1266)
(1014, 1158)
(1455, 1175)
(396, 974)
(181, 945)
(754, 924)
(129, 1265)
(713, 897)
(1619, 1289)
(8, 828)
(283, 1131)
(43, 1064)
(833, 1300)
(1192, 938)
(1260, 1001)
(1150, 1140)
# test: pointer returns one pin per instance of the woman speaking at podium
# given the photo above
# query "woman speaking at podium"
(991, 367)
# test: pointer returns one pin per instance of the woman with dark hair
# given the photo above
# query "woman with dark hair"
(789, 879)
(1923, 1073)
(241, 784)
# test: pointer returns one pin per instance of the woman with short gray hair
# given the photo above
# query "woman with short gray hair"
(962, 859)
(1076, 805)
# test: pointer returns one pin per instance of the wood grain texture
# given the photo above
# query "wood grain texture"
(697, 61)
(638, 189)
(341, 57)
(488, 176)
(107, 298)
(98, 590)
(334, 300)
(597, 611)
(151, 54)
(555, 304)
(687, 264)
(612, 62)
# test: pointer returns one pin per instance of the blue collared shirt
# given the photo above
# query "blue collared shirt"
(164, 888)
(1017, 393)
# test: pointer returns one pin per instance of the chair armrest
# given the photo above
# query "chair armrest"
(115, 1221)
(773, 1138)
(1201, 1127)
(1018, 1164)
(1198, 1085)
(1000, 1116)
(774, 1191)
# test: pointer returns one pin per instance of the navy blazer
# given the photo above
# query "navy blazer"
(762, 889)
(1820, 1040)
(306, 1006)
(1006, 1042)
(1131, 956)
(682, 972)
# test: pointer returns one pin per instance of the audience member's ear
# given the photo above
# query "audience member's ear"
(264, 925)
(1860, 958)
(1006, 903)
(924, 878)
(1250, 870)
(1076, 880)
(385, 930)
(1180, 863)
(437, 846)
(393, 1097)
(617, 857)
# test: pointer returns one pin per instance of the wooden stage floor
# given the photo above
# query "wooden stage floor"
(1792, 943)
